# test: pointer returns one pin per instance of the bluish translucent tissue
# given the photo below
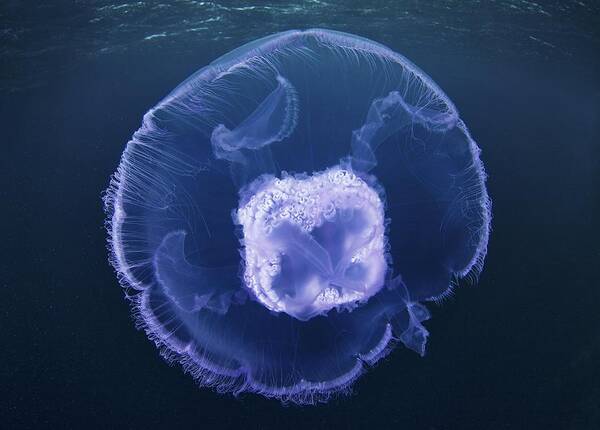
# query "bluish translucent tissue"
(280, 218)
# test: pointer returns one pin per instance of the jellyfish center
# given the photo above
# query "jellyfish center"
(312, 242)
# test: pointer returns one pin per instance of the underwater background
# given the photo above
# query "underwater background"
(520, 350)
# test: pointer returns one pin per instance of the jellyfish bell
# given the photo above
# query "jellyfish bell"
(282, 216)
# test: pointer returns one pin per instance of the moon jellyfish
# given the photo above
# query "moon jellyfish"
(281, 218)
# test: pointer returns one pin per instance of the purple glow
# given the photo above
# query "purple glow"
(281, 217)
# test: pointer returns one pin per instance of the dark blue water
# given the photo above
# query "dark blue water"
(519, 351)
